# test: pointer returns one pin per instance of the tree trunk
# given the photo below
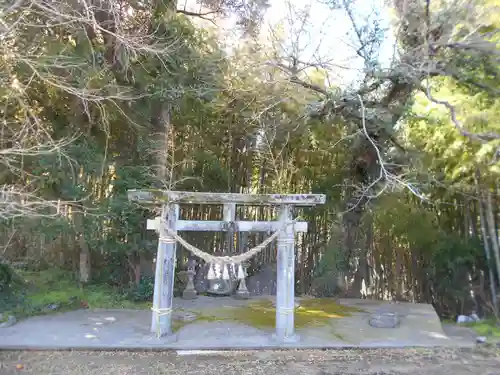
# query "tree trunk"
(474, 218)
(493, 232)
(161, 126)
(84, 264)
(484, 232)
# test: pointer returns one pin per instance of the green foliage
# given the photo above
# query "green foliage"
(487, 328)
(450, 261)
(6, 276)
(330, 269)
(56, 290)
(143, 292)
(10, 288)
(235, 123)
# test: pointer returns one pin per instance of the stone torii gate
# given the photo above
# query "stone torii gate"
(165, 262)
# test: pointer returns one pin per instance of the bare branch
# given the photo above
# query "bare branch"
(308, 85)
(203, 15)
(482, 137)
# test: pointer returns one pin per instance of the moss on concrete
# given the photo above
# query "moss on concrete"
(314, 311)
(262, 314)
(177, 324)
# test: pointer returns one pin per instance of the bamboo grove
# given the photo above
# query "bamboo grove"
(102, 97)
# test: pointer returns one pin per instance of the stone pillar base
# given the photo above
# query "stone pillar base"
(169, 338)
(190, 291)
(190, 294)
(242, 294)
(286, 340)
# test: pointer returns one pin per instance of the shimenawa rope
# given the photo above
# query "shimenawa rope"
(222, 260)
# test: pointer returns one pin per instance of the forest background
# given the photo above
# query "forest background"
(389, 108)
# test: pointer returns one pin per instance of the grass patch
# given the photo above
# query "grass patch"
(55, 290)
(487, 327)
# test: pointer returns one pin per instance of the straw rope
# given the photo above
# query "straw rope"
(209, 258)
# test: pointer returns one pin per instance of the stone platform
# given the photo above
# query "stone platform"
(130, 329)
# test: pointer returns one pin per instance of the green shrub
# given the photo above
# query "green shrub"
(328, 270)
(6, 276)
(450, 261)
(144, 291)
(54, 290)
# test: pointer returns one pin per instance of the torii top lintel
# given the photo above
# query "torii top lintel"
(163, 196)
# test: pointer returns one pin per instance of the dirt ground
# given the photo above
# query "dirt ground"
(479, 361)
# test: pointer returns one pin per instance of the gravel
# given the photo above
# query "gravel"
(480, 361)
